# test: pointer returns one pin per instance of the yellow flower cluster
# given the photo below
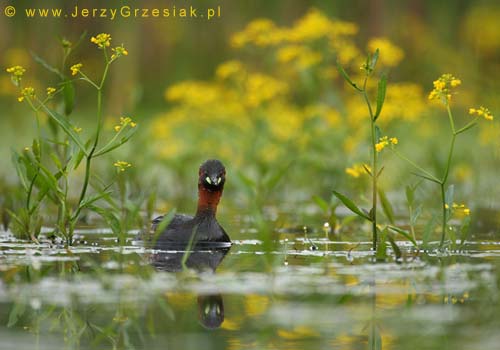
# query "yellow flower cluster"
(260, 32)
(302, 55)
(460, 209)
(357, 170)
(76, 68)
(262, 88)
(17, 71)
(442, 88)
(390, 54)
(50, 91)
(481, 112)
(118, 52)
(16, 74)
(385, 141)
(26, 92)
(313, 26)
(101, 40)
(124, 121)
(122, 165)
(230, 69)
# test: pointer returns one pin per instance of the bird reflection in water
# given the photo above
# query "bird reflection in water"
(201, 259)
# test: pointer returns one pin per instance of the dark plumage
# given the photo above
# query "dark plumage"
(204, 225)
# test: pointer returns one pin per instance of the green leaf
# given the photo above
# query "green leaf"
(35, 147)
(16, 313)
(109, 217)
(321, 203)
(77, 158)
(69, 97)
(91, 199)
(66, 126)
(374, 59)
(416, 215)
(382, 84)
(410, 195)
(21, 173)
(464, 230)
(274, 178)
(404, 233)
(427, 178)
(120, 138)
(56, 160)
(394, 246)
(368, 171)
(386, 206)
(346, 77)
(350, 204)
(46, 65)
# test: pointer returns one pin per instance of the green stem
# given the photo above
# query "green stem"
(374, 167)
(446, 173)
(96, 140)
(443, 229)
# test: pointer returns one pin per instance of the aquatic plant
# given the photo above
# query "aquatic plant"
(47, 168)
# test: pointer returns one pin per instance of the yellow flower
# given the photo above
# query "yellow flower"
(385, 141)
(26, 92)
(229, 69)
(390, 54)
(50, 91)
(481, 112)
(101, 40)
(122, 165)
(77, 129)
(300, 54)
(16, 74)
(76, 68)
(461, 210)
(380, 146)
(118, 52)
(124, 121)
(442, 88)
(17, 71)
(260, 32)
(357, 170)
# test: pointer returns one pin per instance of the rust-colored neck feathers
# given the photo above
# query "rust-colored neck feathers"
(207, 201)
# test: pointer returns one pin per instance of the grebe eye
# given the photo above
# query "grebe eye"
(207, 179)
(218, 180)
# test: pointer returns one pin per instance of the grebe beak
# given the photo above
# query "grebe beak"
(216, 180)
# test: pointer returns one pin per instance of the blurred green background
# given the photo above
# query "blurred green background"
(308, 127)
